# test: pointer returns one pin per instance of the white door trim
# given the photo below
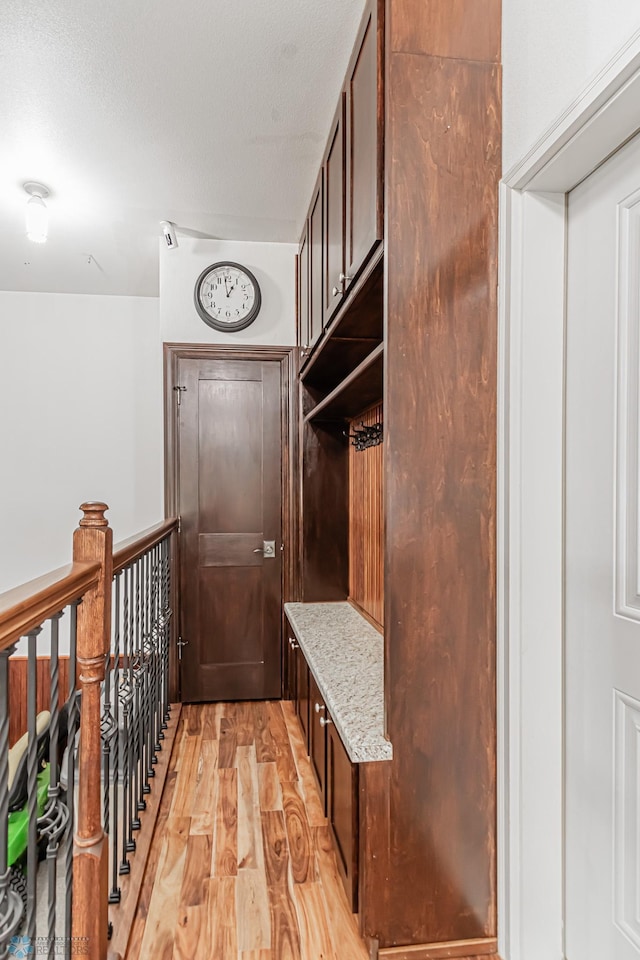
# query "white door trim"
(530, 502)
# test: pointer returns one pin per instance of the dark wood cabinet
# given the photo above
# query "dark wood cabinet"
(336, 776)
(291, 673)
(302, 693)
(303, 289)
(345, 220)
(426, 876)
(364, 141)
(317, 745)
(342, 810)
(315, 242)
(334, 196)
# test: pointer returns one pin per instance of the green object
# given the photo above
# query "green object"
(18, 825)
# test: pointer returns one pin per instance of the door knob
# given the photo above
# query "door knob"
(344, 278)
(325, 721)
(268, 549)
(336, 291)
(319, 707)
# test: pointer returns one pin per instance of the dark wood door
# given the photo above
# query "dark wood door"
(364, 143)
(229, 487)
(316, 246)
(334, 182)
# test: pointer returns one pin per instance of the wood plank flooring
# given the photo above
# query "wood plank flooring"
(241, 864)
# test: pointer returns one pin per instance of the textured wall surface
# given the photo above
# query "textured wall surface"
(207, 113)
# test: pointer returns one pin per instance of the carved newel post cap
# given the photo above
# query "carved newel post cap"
(94, 514)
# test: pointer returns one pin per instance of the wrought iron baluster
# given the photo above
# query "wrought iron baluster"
(53, 823)
(166, 630)
(11, 906)
(32, 782)
(157, 691)
(139, 803)
(150, 675)
(114, 892)
(126, 693)
(106, 727)
(72, 728)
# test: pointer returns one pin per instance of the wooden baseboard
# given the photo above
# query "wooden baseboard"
(123, 914)
(459, 949)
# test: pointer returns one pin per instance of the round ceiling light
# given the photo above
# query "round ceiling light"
(37, 216)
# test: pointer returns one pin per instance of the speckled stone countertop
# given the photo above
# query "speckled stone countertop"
(346, 656)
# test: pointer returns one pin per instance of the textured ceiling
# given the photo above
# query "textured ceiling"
(211, 114)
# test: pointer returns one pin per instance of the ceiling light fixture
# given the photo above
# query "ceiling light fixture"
(37, 217)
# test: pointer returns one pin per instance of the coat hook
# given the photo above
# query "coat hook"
(364, 437)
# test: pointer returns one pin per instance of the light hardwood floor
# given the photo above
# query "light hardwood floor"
(242, 864)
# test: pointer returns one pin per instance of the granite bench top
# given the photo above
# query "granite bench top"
(346, 656)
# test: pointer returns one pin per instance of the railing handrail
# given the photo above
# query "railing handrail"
(128, 551)
(30, 604)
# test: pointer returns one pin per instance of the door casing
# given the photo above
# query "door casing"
(288, 360)
(531, 503)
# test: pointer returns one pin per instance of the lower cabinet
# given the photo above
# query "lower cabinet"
(342, 810)
(302, 693)
(337, 777)
(318, 738)
(291, 659)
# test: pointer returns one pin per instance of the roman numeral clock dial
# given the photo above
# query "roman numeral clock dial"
(227, 297)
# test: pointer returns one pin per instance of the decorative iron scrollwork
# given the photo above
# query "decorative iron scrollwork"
(11, 910)
(108, 725)
(53, 822)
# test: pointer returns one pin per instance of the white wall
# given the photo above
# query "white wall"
(551, 49)
(273, 265)
(80, 418)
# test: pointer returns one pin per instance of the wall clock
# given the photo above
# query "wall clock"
(227, 296)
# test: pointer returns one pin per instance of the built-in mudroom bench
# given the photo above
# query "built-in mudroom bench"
(336, 666)
(391, 653)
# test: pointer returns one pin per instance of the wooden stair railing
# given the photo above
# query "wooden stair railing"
(85, 588)
(92, 542)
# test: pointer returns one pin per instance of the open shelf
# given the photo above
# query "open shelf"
(353, 332)
(356, 393)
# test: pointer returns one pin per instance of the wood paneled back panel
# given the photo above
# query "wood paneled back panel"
(18, 691)
(366, 523)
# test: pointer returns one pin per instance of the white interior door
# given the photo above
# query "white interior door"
(602, 566)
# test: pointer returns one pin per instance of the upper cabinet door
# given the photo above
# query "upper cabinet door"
(364, 142)
(315, 242)
(334, 200)
(303, 289)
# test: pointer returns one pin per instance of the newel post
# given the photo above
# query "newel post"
(92, 542)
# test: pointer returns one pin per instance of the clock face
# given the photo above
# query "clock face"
(227, 296)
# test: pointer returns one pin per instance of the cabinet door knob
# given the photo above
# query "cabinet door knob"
(336, 291)
(325, 721)
(319, 707)
(344, 278)
(293, 644)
